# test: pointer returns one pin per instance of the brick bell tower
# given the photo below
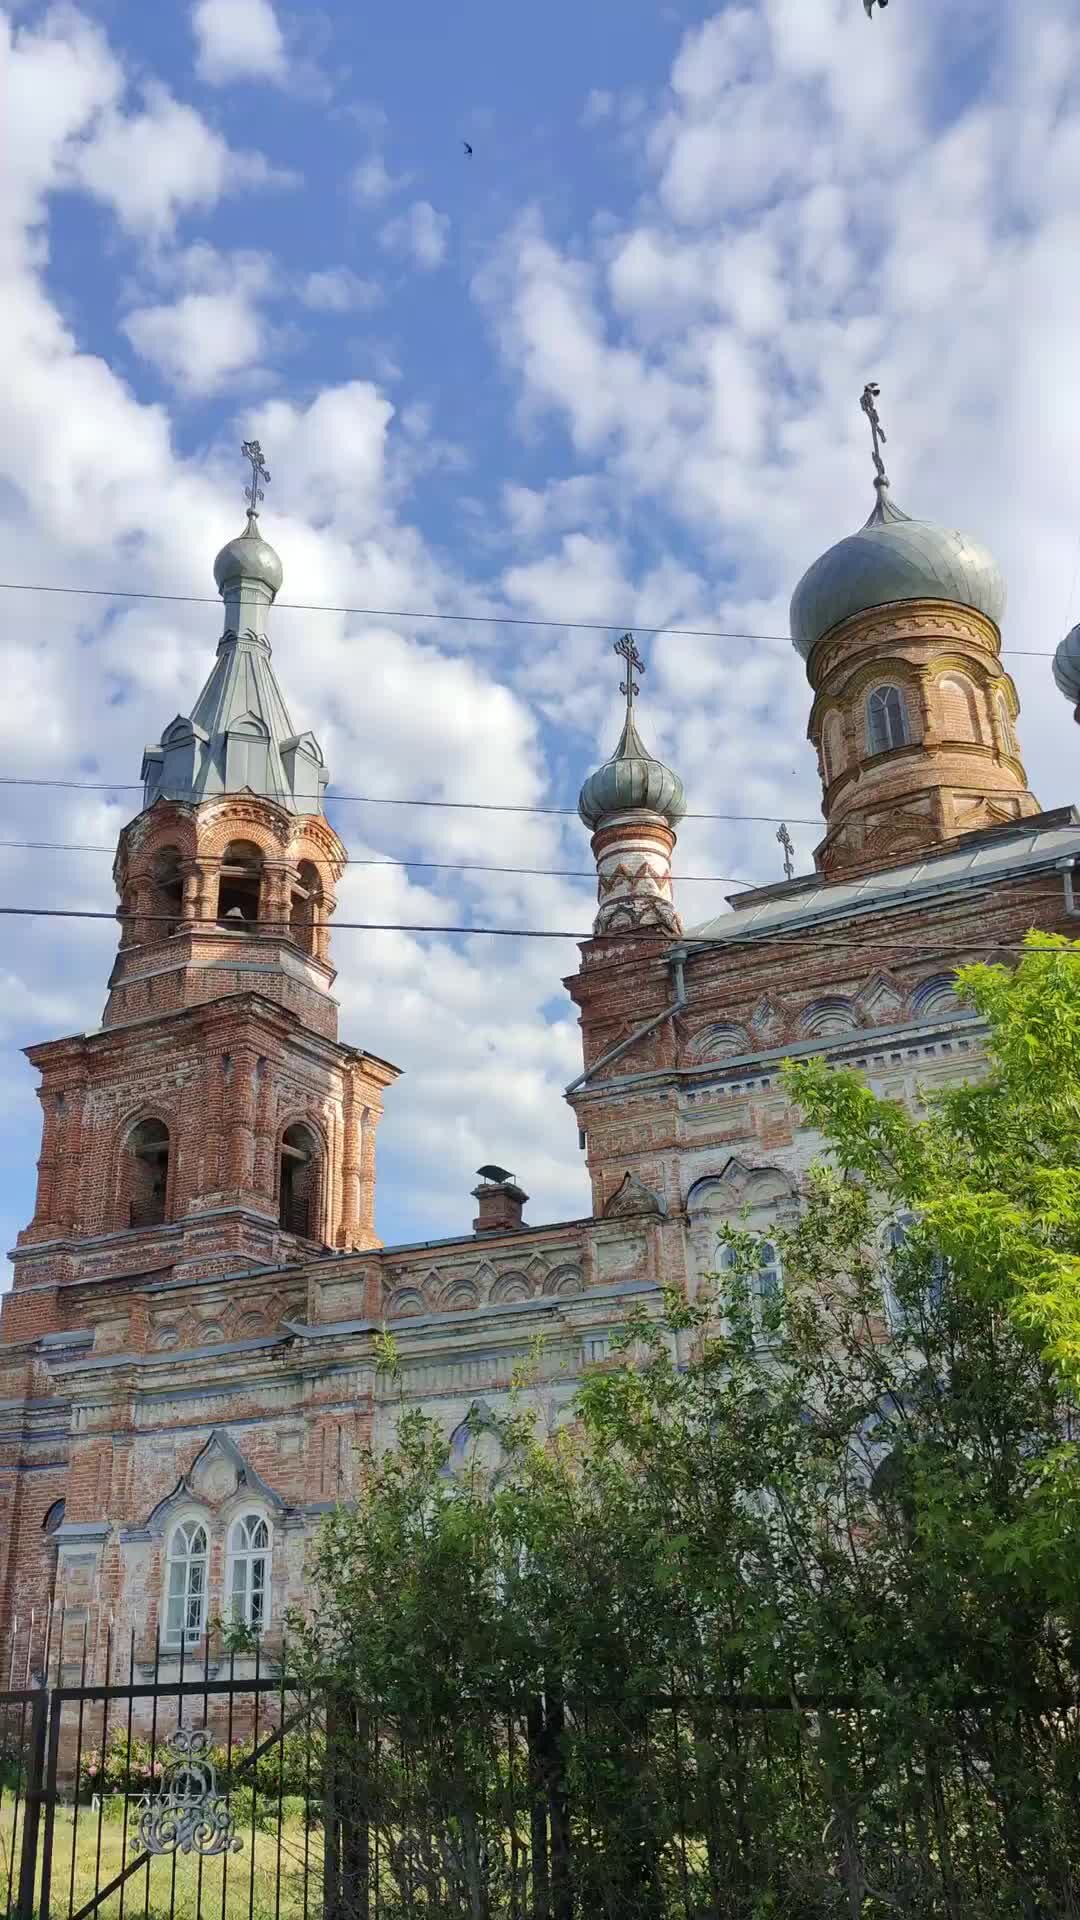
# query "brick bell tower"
(214, 1120)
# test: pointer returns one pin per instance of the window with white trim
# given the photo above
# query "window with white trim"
(886, 721)
(768, 1277)
(249, 1571)
(186, 1574)
(894, 1239)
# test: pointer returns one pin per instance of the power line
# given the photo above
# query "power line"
(428, 866)
(761, 937)
(467, 619)
(385, 800)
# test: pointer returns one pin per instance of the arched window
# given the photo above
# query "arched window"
(147, 1173)
(186, 1566)
(249, 1571)
(886, 721)
(901, 1314)
(54, 1517)
(298, 1181)
(239, 885)
(768, 1277)
(168, 894)
(959, 707)
(1008, 737)
(935, 997)
(306, 901)
(833, 754)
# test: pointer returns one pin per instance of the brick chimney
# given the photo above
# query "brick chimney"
(499, 1202)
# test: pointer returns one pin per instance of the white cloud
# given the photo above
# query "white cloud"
(152, 166)
(421, 233)
(371, 182)
(339, 290)
(238, 40)
(212, 329)
(200, 341)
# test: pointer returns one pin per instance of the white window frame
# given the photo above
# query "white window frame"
(767, 1280)
(893, 1234)
(886, 719)
(248, 1569)
(187, 1581)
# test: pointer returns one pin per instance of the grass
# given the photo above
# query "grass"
(259, 1879)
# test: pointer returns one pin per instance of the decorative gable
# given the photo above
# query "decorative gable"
(218, 1472)
(634, 1199)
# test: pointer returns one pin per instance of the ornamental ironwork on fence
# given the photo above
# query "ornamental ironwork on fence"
(196, 1781)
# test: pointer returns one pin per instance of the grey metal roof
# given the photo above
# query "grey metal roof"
(964, 867)
(893, 558)
(239, 734)
(630, 780)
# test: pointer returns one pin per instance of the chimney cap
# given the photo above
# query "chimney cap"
(498, 1176)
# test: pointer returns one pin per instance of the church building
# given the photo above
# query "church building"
(189, 1347)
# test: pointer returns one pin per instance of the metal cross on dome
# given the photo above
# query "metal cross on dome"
(627, 651)
(784, 838)
(868, 403)
(252, 451)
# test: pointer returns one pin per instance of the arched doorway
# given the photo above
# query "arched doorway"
(298, 1182)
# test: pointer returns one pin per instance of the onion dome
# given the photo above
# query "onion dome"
(893, 558)
(631, 781)
(1067, 666)
(249, 557)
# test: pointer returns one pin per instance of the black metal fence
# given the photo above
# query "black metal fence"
(206, 1783)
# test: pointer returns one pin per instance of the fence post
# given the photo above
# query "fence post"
(35, 1775)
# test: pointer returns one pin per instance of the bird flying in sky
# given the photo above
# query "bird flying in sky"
(871, 4)
(466, 146)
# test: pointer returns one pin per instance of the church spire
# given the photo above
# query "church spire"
(239, 734)
(633, 804)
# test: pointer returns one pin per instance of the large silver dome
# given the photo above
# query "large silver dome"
(1067, 666)
(631, 781)
(249, 557)
(893, 558)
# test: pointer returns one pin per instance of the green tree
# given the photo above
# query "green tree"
(785, 1619)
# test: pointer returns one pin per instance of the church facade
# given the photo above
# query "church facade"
(189, 1348)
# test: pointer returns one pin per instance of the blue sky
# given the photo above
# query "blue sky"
(605, 369)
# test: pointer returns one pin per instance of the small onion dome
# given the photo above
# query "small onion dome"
(631, 781)
(249, 557)
(1067, 666)
(893, 558)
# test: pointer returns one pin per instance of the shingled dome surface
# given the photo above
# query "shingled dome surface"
(893, 558)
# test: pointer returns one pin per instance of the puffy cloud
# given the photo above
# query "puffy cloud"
(339, 290)
(152, 166)
(421, 233)
(238, 40)
(371, 181)
(214, 330)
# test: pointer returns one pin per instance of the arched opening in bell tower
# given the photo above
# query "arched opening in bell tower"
(168, 893)
(240, 885)
(298, 1181)
(147, 1173)
(305, 906)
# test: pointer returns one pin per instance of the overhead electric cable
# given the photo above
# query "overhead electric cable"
(465, 619)
(428, 866)
(759, 937)
(385, 800)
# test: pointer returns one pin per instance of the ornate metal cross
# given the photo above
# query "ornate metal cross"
(252, 451)
(784, 838)
(868, 403)
(627, 651)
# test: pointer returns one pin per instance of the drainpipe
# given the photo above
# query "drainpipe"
(677, 963)
(1067, 868)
